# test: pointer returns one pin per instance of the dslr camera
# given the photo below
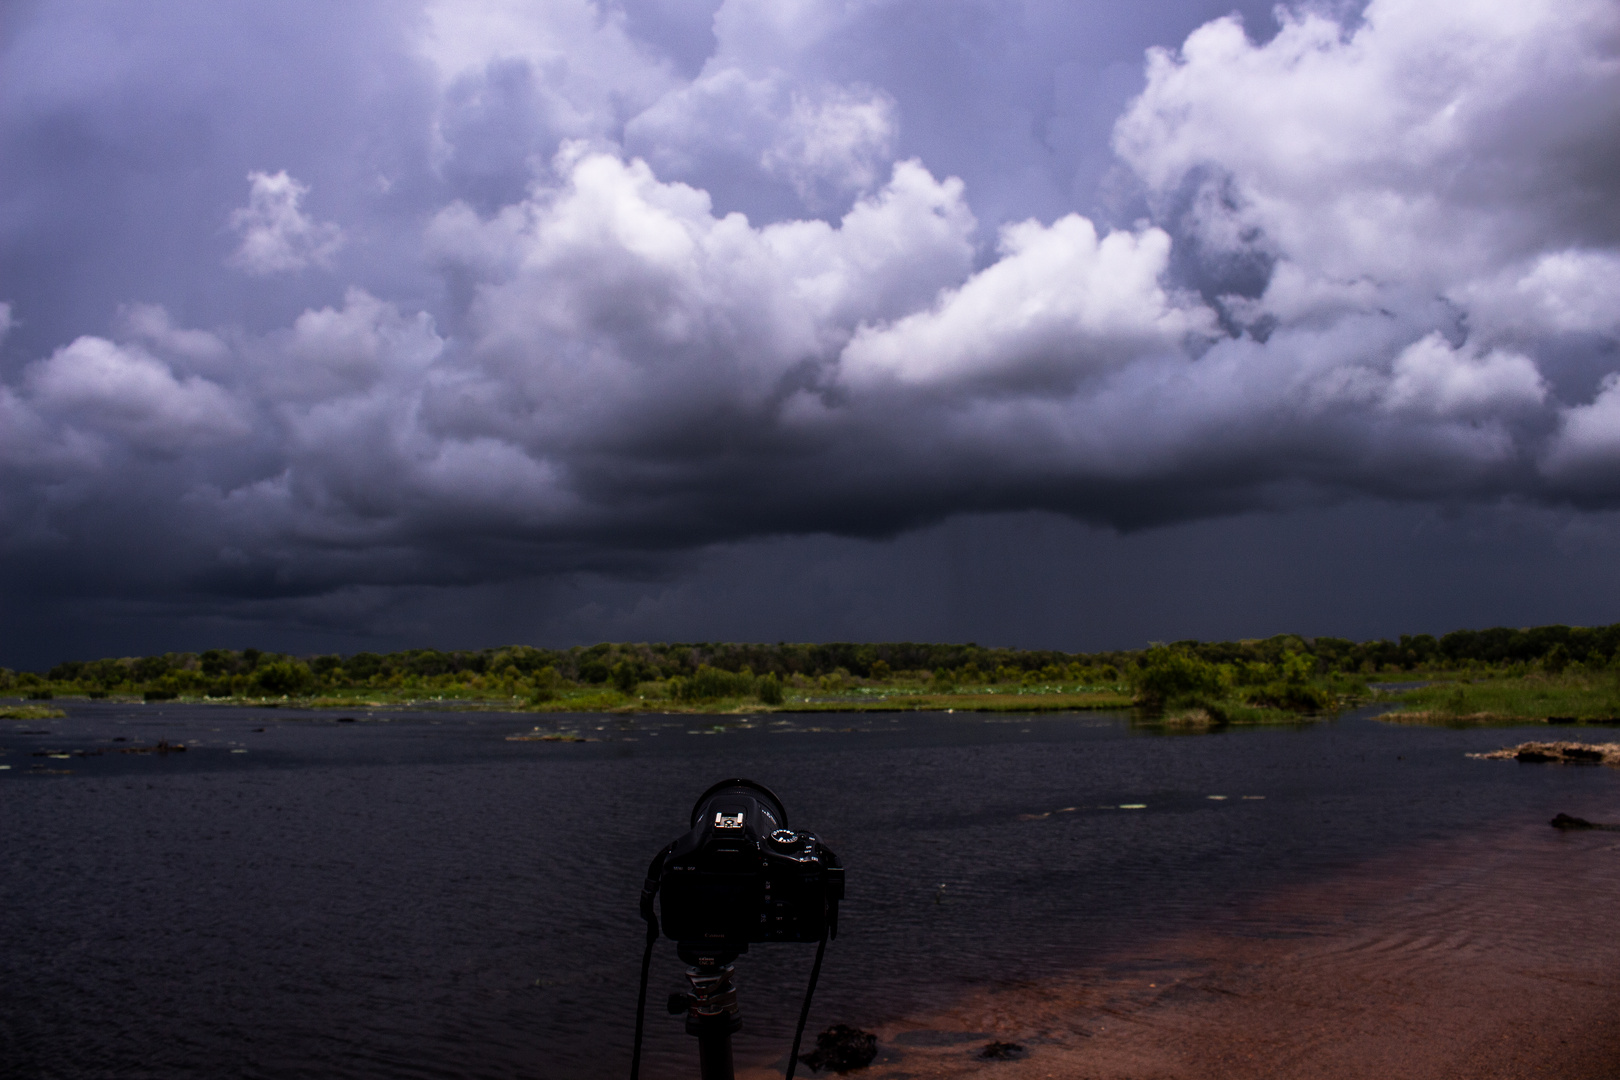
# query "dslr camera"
(742, 875)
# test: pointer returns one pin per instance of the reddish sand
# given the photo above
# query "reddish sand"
(1492, 957)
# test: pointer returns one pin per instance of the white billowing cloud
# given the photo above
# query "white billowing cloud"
(332, 351)
(843, 138)
(1437, 168)
(826, 141)
(622, 292)
(277, 236)
(764, 106)
(1059, 304)
(512, 72)
(726, 113)
(1432, 377)
(1428, 148)
(620, 328)
(1570, 291)
(151, 325)
(101, 388)
(784, 34)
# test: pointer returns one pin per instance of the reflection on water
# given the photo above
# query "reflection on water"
(419, 894)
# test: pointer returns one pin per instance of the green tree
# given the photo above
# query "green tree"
(546, 683)
(1297, 668)
(709, 683)
(769, 688)
(282, 677)
(1170, 676)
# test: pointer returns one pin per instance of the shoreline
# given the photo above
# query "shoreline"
(1488, 958)
(983, 701)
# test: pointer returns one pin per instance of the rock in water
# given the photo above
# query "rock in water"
(1564, 821)
(1002, 1051)
(1569, 753)
(842, 1048)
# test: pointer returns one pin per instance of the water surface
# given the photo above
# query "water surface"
(414, 894)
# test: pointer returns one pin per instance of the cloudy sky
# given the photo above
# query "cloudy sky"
(453, 323)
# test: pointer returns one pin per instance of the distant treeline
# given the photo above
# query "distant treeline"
(222, 672)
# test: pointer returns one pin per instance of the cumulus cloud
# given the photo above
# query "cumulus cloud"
(1563, 292)
(98, 387)
(515, 77)
(1059, 304)
(619, 289)
(1431, 148)
(1430, 376)
(152, 325)
(277, 236)
(841, 138)
(755, 115)
(1372, 258)
(827, 142)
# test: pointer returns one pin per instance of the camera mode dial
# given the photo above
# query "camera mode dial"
(785, 838)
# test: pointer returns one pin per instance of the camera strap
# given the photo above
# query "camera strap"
(649, 889)
(804, 1012)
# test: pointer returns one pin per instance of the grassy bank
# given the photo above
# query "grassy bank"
(1537, 696)
(1499, 676)
(660, 697)
(1187, 685)
(29, 712)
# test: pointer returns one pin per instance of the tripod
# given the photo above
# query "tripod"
(711, 1007)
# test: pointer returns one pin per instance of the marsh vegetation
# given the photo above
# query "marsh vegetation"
(29, 712)
(1468, 676)
(1257, 680)
(1514, 694)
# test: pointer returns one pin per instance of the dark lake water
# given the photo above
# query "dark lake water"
(413, 895)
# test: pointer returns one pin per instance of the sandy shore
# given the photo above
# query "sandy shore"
(1492, 957)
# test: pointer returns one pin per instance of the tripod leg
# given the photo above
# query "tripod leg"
(714, 1053)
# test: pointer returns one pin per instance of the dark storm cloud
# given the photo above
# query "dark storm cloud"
(443, 294)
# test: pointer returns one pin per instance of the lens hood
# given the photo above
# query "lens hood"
(748, 787)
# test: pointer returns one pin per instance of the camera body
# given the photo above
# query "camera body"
(742, 875)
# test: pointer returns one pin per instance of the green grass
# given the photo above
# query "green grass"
(1224, 713)
(29, 712)
(1244, 705)
(849, 700)
(982, 700)
(653, 697)
(1539, 696)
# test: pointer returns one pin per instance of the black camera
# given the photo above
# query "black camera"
(743, 875)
